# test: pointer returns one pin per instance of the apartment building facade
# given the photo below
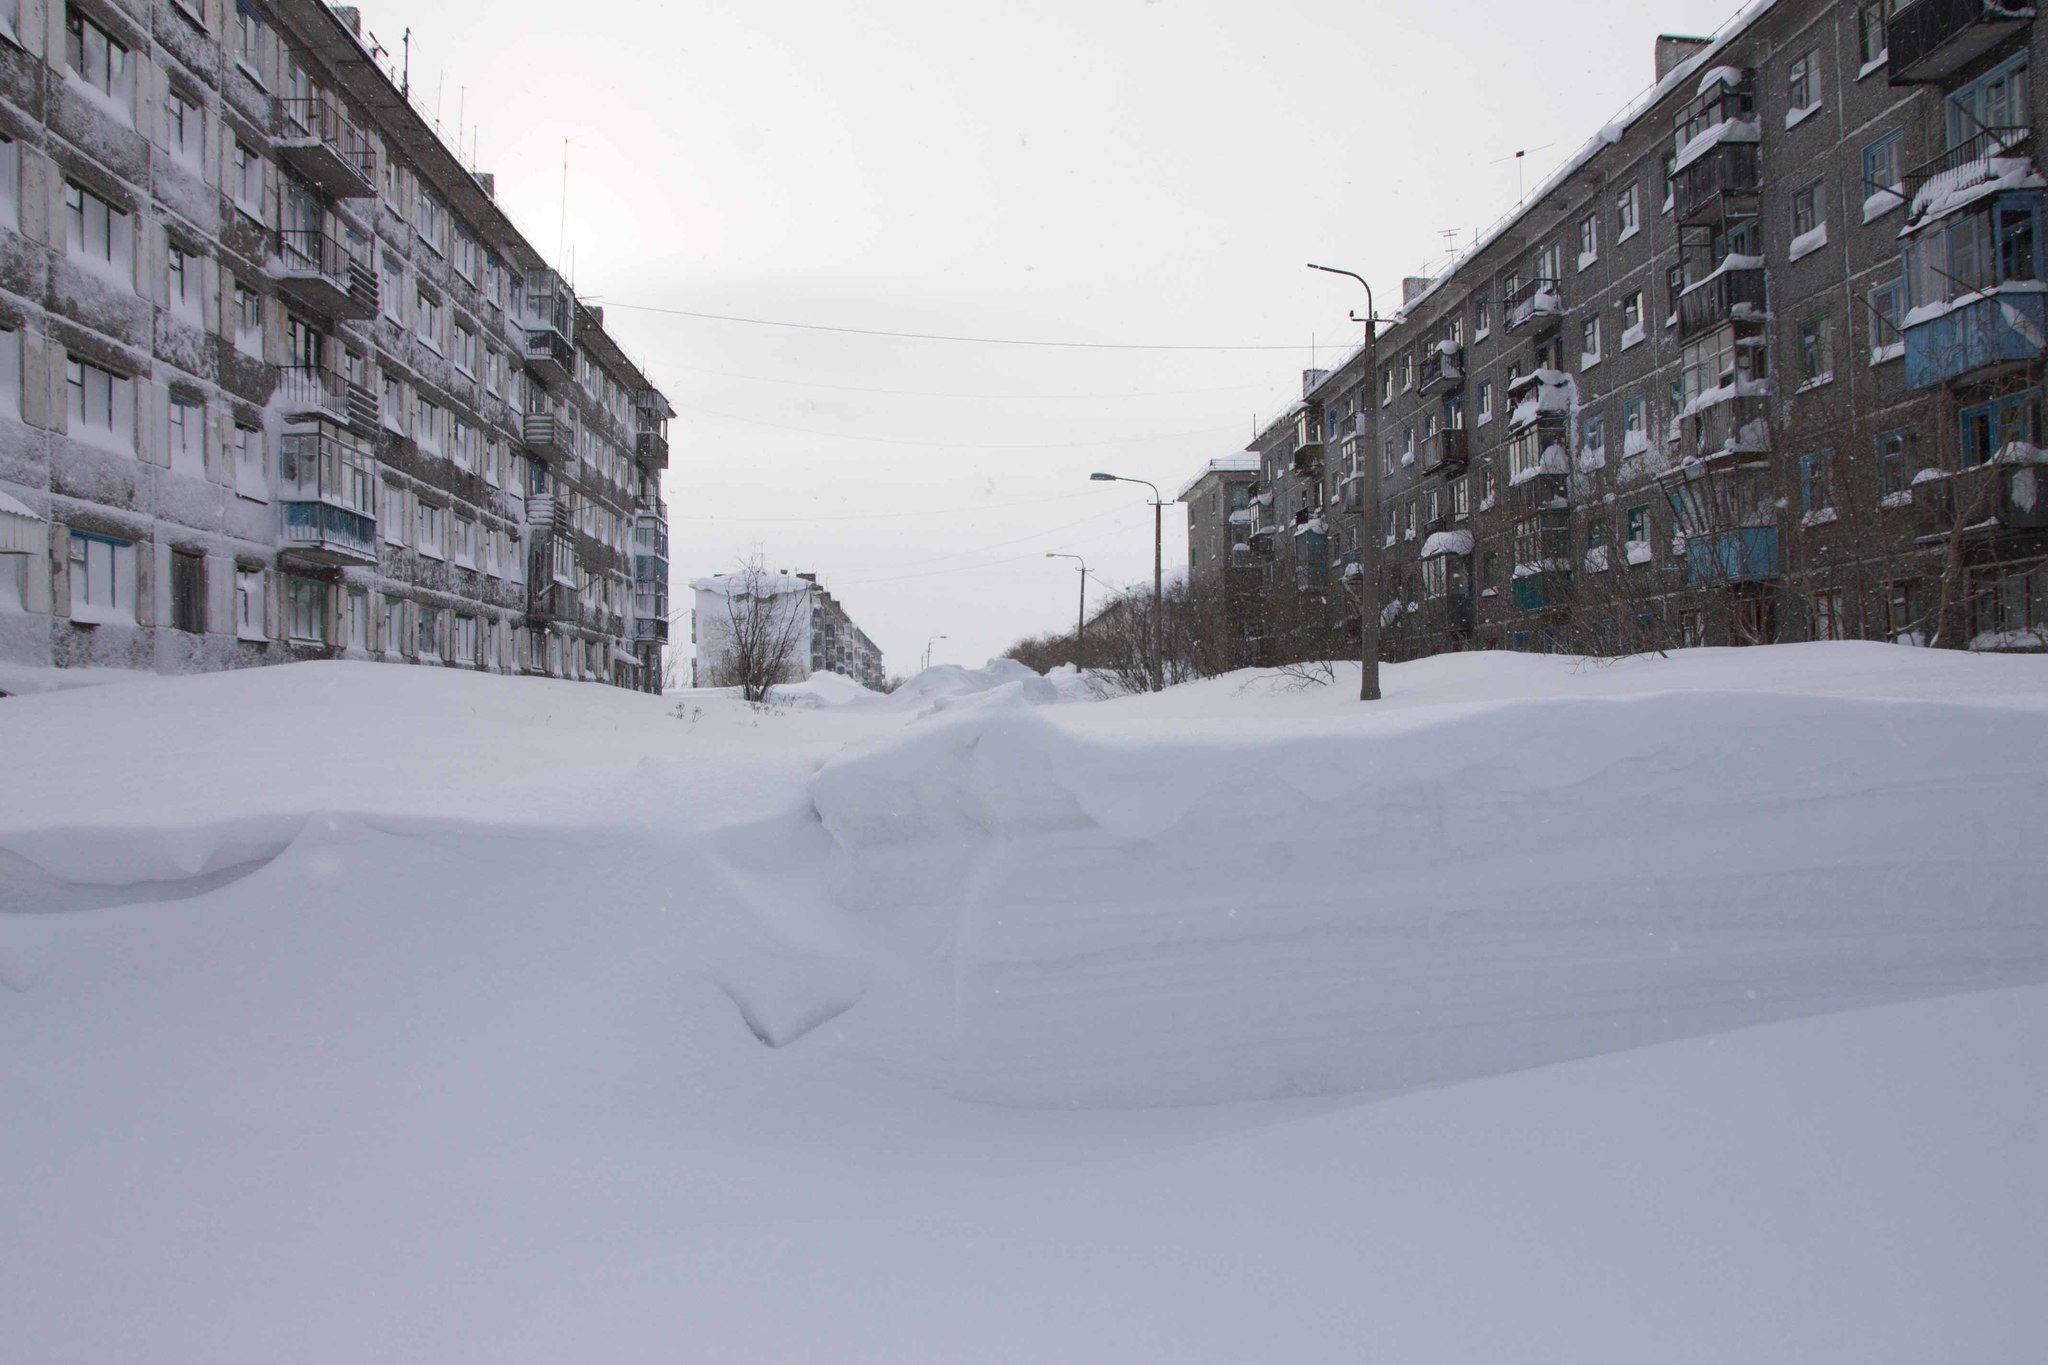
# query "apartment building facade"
(1762, 362)
(279, 379)
(763, 616)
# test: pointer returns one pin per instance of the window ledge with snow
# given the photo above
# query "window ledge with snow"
(1806, 243)
(1819, 517)
(1588, 259)
(1633, 337)
(1880, 354)
(1902, 498)
(1881, 202)
(1638, 552)
(1874, 65)
(1820, 380)
(1484, 418)
(1795, 117)
(1588, 359)
(1631, 230)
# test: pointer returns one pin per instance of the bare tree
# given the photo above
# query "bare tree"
(762, 639)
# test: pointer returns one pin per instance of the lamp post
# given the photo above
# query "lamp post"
(1158, 605)
(928, 649)
(1080, 613)
(1369, 509)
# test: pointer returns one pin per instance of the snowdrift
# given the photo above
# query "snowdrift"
(1247, 900)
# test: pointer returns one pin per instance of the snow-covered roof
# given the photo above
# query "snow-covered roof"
(1243, 462)
(1447, 543)
(752, 584)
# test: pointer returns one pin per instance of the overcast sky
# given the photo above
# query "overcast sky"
(1127, 171)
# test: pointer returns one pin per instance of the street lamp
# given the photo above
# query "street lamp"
(1369, 510)
(1158, 607)
(928, 649)
(1080, 613)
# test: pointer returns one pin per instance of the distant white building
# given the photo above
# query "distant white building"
(826, 637)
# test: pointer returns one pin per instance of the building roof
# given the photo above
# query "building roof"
(1243, 462)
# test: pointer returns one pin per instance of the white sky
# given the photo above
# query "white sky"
(1150, 171)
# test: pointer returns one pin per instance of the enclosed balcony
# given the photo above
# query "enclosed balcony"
(1931, 40)
(1734, 292)
(1742, 554)
(315, 137)
(1308, 445)
(1989, 161)
(548, 437)
(547, 600)
(1723, 110)
(1536, 305)
(1986, 332)
(1974, 280)
(316, 271)
(1351, 493)
(1721, 182)
(1726, 509)
(1443, 369)
(1738, 422)
(1446, 451)
(550, 323)
(328, 497)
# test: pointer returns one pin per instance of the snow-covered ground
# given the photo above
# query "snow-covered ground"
(1680, 1009)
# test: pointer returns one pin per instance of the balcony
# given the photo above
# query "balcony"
(651, 628)
(1446, 452)
(650, 448)
(1745, 554)
(550, 321)
(316, 271)
(321, 533)
(1443, 370)
(1542, 588)
(551, 356)
(1721, 183)
(1931, 40)
(1534, 306)
(1733, 293)
(1984, 163)
(546, 512)
(316, 138)
(547, 436)
(1949, 341)
(1351, 493)
(547, 600)
(306, 393)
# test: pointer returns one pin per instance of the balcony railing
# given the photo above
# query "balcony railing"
(317, 271)
(550, 355)
(546, 435)
(1931, 40)
(651, 449)
(316, 138)
(1993, 330)
(323, 533)
(307, 392)
(1718, 184)
(1723, 297)
(1743, 554)
(1958, 170)
(1535, 304)
(1446, 451)
(655, 628)
(1442, 371)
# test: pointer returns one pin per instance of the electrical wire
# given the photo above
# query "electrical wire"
(953, 445)
(979, 397)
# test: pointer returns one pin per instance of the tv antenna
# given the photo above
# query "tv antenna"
(1520, 158)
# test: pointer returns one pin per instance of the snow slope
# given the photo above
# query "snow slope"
(533, 1021)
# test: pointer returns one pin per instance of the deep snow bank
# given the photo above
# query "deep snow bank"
(1232, 893)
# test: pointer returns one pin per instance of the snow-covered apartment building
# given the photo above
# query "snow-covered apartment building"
(793, 606)
(280, 380)
(1763, 361)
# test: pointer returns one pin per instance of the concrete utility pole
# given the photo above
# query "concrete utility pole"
(1158, 598)
(1369, 515)
(928, 649)
(1080, 614)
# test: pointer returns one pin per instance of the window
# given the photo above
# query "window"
(251, 472)
(184, 131)
(1627, 214)
(461, 443)
(1589, 343)
(1989, 428)
(1593, 443)
(1488, 487)
(1806, 219)
(394, 626)
(1635, 426)
(95, 231)
(1817, 487)
(1670, 173)
(391, 290)
(1883, 175)
(102, 579)
(100, 405)
(462, 545)
(428, 320)
(249, 604)
(249, 42)
(188, 591)
(1407, 371)
(1639, 524)
(1461, 498)
(465, 254)
(1989, 243)
(1871, 16)
(181, 282)
(355, 618)
(248, 320)
(1547, 263)
(186, 436)
(429, 644)
(426, 426)
(1631, 319)
(307, 599)
(1886, 312)
(1895, 471)
(1816, 351)
(465, 350)
(1827, 615)
(99, 60)
(432, 220)
(1482, 317)
(1589, 240)
(1802, 87)
(428, 540)
(1992, 108)
(1386, 385)
(1482, 402)
(1674, 285)
(245, 184)
(465, 640)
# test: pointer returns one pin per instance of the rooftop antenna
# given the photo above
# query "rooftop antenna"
(1520, 158)
(562, 229)
(405, 76)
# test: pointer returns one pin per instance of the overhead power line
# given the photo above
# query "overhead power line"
(941, 336)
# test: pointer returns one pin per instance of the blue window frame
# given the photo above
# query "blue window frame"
(1816, 482)
(1995, 100)
(1882, 168)
(1988, 428)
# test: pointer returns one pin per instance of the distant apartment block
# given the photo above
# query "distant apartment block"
(1762, 362)
(823, 638)
(280, 380)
